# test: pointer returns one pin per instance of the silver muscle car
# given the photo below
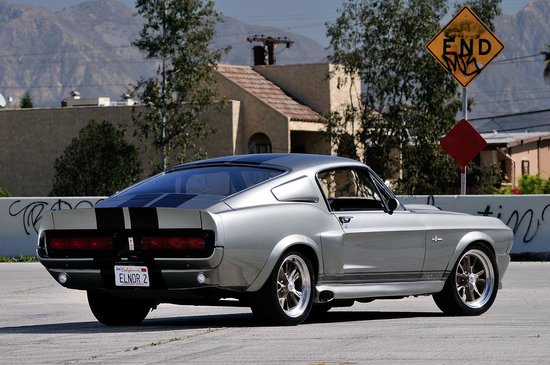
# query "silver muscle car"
(288, 235)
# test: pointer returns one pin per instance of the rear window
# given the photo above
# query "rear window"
(211, 180)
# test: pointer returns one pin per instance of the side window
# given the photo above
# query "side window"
(350, 189)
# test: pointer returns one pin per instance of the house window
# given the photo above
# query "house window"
(524, 167)
(259, 143)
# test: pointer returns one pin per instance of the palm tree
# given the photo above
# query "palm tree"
(547, 62)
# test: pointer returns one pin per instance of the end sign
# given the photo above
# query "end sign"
(465, 46)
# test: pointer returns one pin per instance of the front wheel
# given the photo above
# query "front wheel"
(472, 286)
(113, 311)
(287, 296)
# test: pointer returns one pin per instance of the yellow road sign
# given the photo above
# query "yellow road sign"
(465, 46)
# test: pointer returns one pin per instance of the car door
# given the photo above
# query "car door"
(378, 244)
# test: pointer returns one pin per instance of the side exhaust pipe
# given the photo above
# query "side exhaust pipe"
(326, 296)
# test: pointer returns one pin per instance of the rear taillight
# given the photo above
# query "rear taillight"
(172, 243)
(81, 243)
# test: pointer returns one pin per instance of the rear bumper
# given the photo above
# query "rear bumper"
(165, 273)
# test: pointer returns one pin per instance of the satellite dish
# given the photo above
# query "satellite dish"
(2, 101)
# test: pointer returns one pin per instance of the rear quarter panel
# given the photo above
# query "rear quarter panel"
(255, 237)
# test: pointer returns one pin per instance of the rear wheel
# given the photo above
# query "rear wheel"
(472, 286)
(113, 311)
(287, 296)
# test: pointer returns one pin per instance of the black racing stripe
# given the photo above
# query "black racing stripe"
(139, 200)
(109, 218)
(144, 218)
(173, 200)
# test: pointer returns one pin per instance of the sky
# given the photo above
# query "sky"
(305, 17)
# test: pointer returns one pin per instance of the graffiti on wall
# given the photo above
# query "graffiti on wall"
(31, 212)
(526, 220)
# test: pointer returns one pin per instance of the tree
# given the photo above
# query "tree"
(409, 101)
(178, 34)
(97, 162)
(26, 100)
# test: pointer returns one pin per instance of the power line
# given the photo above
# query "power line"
(512, 115)
(509, 60)
(510, 100)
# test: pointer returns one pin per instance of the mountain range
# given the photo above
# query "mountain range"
(513, 82)
(88, 48)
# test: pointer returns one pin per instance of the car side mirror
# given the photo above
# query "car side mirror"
(393, 204)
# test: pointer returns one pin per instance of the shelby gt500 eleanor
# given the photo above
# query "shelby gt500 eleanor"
(289, 235)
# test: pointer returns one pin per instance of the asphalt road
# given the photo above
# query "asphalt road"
(43, 323)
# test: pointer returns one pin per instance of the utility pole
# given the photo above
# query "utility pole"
(269, 44)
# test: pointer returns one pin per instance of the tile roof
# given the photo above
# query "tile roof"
(265, 90)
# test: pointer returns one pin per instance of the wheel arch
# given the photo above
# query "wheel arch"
(295, 242)
(467, 240)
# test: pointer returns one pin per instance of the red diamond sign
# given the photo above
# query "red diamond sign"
(463, 143)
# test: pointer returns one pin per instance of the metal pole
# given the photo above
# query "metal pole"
(464, 116)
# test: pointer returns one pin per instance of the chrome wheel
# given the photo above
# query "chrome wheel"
(475, 279)
(287, 296)
(294, 286)
(472, 285)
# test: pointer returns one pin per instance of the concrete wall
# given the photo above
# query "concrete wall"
(20, 220)
(31, 140)
(527, 215)
(226, 120)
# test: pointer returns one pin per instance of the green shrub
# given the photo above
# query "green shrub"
(528, 184)
(97, 162)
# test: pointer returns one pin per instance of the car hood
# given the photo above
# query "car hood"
(153, 200)
(429, 209)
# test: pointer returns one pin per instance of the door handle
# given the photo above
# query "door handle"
(345, 219)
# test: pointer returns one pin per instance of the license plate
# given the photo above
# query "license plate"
(131, 276)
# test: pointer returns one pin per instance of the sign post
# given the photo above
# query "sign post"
(464, 117)
(464, 47)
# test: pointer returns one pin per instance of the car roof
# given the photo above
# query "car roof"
(287, 161)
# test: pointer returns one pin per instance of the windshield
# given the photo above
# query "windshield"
(211, 180)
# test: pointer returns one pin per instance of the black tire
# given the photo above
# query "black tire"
(472, 285)
(287, 296)
(319, 310)
(113, 311)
